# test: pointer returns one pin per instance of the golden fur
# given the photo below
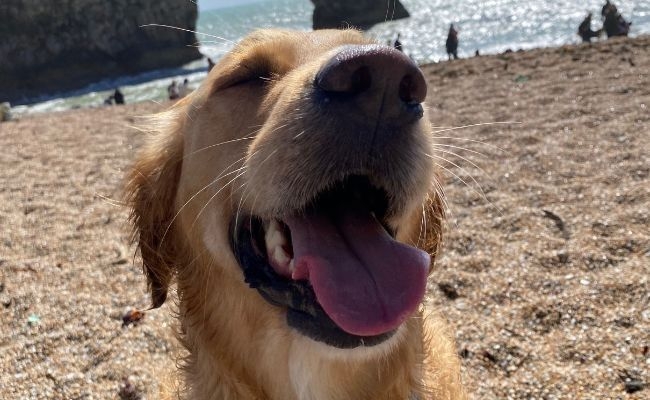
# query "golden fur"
(239, 144)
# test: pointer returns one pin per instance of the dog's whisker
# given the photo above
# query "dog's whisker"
(198, 215)
(218, 144)
(300, 134)
(457, 176)
(441, 195)
(242, 199)
(479, 192)
(439, 192)
(112, 202)
(196, 194)
(467, 160)
(472, 141)
(188, 30)
(451, 146)
(446, 209)
(423, 227)
(277, 128)
(253, 207)
(245, 182)
(455, 128)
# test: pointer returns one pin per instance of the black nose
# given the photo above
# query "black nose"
(379, 79)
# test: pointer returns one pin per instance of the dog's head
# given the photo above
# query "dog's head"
(301, 168)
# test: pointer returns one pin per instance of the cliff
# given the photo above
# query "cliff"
(358, 13)
(50, 46)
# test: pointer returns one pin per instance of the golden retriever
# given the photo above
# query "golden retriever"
(285, 198)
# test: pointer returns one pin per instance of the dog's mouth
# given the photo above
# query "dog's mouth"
(334, 266)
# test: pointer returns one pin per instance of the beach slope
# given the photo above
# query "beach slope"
(544, 272)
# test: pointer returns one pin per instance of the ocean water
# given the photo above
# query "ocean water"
(490, 26)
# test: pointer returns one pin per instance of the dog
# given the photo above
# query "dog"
(285, 198)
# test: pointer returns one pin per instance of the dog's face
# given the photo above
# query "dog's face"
(301, 168)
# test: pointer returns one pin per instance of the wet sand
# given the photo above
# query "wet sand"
(545, 267)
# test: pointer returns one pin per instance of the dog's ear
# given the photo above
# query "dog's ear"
(151, 189)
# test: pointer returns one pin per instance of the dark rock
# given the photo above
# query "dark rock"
(465, 353)
(361, 14)
(632, 380)
(633, 386)
(449, 290)
(55, 46)
(128, 391)
(559, 223)
(132, 316)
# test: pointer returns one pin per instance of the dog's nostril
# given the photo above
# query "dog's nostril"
(406, 90)
(360, 80)
(373, 79)
(412, 89)
(337, 79)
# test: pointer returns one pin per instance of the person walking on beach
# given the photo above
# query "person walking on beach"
(585, 31)
(118, 96)
(184, 88)
(398, 44)
(607, 7)
(5, 111)
(172, 91)
(615, 24)
(452, 43)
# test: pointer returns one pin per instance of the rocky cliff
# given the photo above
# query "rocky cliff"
(48, 46)
(358, 13)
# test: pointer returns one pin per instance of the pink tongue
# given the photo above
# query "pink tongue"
(366, 282)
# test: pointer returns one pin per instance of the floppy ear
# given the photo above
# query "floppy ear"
(151, 192)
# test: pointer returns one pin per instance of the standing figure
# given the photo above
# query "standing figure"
(607, 7)
(585, 31)
(118, 96)
(172, 91)
(452, 43)
(184, 88)
(398, 44)
(615, 24)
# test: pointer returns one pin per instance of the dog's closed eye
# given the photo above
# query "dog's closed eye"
(258, 64)
(255, 73)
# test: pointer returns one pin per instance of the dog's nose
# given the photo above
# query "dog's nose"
(379, 78)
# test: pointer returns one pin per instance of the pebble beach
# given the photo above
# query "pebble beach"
(544, 272)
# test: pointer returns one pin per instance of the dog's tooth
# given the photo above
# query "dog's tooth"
(274, 236)
(271, 228)
(280, 256)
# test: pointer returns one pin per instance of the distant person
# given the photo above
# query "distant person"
(118, 96)
(184, 88)
(210, 64)
(5, 111)
(477, 53)
(607, 8)
(615, 24)
(585, 31)
(172, 91)
(398, 44)
(452, 43)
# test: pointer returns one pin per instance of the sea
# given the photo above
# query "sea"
(489, 26)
